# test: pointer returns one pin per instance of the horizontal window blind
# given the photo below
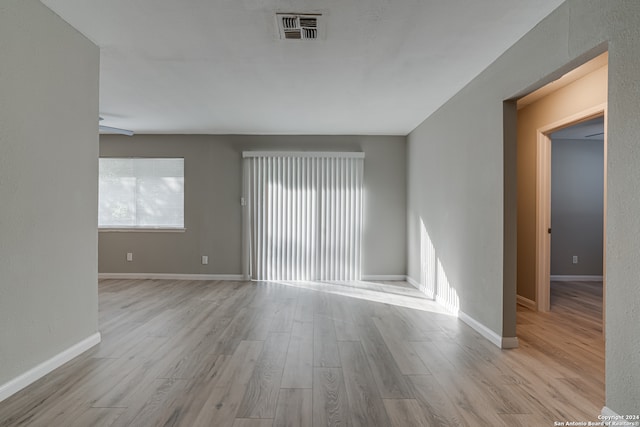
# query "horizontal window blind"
(305, 215)
(141, 193)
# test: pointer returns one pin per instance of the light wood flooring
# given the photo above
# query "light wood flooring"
(247, 354)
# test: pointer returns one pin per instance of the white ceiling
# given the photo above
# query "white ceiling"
(217, 66)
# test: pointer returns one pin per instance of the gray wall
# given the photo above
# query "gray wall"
(577, 187)
(213, 215)
(457, 160)
(48, 186)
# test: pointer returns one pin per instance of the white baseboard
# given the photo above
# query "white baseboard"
(385, 277)
(170, 276)
(34, 374)
(609, 415)
(497, 340)
(500, 342)
(447, 305)
(418, 286)
(234, 277)
(509, 342)
(412, 282)
(526, 302)
(569, 278)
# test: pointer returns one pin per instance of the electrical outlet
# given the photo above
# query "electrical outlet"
(205, 259)
(575, 259)
(129, 256)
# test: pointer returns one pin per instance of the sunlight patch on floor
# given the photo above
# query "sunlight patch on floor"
(401, 296)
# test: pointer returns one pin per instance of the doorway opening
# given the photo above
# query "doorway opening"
(562, 319)
(570, 201)
(577, 97)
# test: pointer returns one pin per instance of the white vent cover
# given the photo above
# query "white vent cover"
(299, 26)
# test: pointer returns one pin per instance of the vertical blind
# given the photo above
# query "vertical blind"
(304, 215)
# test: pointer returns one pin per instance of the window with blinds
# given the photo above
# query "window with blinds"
(141, 193)
(303, 215)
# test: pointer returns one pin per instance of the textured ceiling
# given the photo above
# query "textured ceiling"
(217, 66)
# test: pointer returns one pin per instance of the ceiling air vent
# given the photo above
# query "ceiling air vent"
(293, 26)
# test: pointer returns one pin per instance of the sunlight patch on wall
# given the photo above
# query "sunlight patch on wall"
(445, 294)
(428, 272)
(433, 277)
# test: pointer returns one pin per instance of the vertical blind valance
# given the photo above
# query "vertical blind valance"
(304, 215)
(304, 154)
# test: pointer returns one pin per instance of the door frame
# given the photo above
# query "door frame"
(543, 202)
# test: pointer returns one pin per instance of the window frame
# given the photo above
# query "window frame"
(143, 228)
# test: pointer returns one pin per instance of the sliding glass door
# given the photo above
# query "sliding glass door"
(303, 215)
